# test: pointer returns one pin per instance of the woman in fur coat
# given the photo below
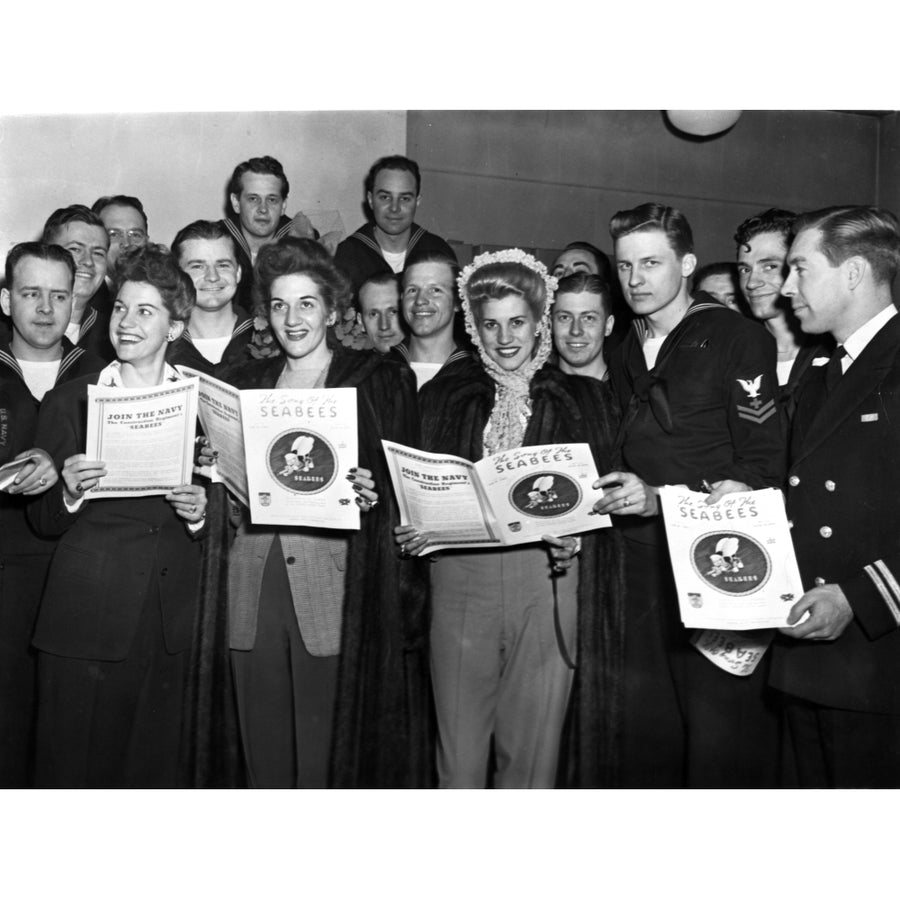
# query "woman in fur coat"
(508, 623)
(328, 629)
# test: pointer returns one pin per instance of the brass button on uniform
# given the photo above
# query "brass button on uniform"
(825, 531)
(830, 485)
(290, 560)
(794, 480)
(819, 582)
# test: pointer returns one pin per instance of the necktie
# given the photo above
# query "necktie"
(834, 369)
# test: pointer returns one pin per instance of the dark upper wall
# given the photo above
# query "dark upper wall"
(542, 179)
(889, 162)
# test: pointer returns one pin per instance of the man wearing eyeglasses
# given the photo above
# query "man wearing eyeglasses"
(125, 222)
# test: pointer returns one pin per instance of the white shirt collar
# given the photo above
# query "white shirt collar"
(111, 376)
(856, 343)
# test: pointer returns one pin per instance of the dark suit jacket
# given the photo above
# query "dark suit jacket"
(844, 502)
(109, 554)
(809, 350)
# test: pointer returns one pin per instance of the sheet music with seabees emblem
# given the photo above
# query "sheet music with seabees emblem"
(513, 497)
(735, 571)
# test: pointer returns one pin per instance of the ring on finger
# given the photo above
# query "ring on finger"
(193, 508)
(79, 487)
(625, 502)
(42, 482)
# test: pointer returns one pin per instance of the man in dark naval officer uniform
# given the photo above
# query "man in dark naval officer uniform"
(840, 666)
(697, 387)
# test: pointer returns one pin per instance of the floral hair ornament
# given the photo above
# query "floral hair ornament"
(512, 402)
(522, 258)
(513, 255)
(263, 344)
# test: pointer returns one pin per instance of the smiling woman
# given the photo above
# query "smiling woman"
(507, 622)
(140, 326)
(117, 615)
(299, 316)
(327, 628)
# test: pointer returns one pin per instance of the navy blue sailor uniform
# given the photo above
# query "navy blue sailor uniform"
(359, 256)
(843, 490)
(93, 333)
(24, 562)
(706, 411)
(244, 297)
(184, 352)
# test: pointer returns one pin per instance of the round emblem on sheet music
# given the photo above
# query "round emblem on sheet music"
(302, 461)
(731, 563)
(546, 495)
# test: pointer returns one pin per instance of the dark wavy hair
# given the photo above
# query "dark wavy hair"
(77, 212)
(399, 164)
(779, 221)
(203, 230)
(299, 256)
(585, 283)
(259, 165)
(379, 278)
(38, 250)
(717, 268)
(866, 231)
(655, 217)
(155, 265)
(601, 260)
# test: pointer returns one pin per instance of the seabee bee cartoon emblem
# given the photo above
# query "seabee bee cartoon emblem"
(302, 462)
(731, 563)
(545, 495)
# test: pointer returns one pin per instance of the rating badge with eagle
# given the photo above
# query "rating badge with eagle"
(756, 410)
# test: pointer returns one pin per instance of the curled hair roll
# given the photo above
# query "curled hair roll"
(299, 256)
(155, 265)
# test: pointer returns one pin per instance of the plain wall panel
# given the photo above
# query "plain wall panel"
(179, 163)
(889, 163)
(528, 178)
(542, 179)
